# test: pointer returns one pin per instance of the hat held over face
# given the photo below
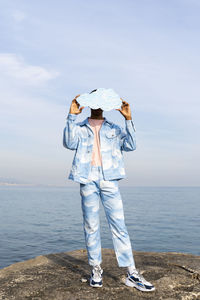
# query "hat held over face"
(106, 99)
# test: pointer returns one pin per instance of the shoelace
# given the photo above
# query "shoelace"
(97, 271)
(139, 275)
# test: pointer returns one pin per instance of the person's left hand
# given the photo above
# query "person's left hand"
(125, 110)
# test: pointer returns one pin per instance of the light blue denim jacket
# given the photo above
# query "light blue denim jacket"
(113, 140)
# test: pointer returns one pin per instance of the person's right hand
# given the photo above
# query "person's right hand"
(75, 107)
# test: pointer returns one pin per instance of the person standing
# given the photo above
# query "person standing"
(98, 165)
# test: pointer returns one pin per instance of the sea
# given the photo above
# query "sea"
(41, 220)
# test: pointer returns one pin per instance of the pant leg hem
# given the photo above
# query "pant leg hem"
(94, 264)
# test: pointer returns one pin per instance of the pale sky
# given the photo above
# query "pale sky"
(147, 51)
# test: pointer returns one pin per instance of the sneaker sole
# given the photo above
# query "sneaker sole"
(132, 284)
(95, 285)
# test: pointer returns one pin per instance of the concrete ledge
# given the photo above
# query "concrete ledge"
(65, 275)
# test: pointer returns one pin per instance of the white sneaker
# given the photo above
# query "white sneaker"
(136, 280)
(96, 276)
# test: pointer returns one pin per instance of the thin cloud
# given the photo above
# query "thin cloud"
(15, 67)
(18, 16)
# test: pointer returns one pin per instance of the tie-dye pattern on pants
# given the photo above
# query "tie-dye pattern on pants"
(108, 191)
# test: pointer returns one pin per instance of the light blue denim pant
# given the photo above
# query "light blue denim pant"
(108, 191)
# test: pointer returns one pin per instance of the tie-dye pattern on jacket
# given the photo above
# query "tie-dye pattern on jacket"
(113, 140)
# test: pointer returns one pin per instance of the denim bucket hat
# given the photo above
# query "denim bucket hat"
(106, 99)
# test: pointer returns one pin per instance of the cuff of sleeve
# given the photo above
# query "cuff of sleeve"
(71, 117)
(130, 124)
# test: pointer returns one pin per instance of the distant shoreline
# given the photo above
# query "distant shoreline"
(29, 185)
(8, 184)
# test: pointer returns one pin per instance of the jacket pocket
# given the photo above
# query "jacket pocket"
(113, 133)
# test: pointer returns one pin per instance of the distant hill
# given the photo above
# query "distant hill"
(4, 180)
(16, 182)
(13, 182)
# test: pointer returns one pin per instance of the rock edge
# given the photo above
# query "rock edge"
(65, 275)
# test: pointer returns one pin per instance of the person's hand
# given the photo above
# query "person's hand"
(75, 107)
(125, 110)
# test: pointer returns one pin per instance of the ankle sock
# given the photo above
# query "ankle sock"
(131, 269)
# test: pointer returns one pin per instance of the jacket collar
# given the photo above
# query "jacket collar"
(86, 122)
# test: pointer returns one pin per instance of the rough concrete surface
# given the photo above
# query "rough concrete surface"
(62, 276)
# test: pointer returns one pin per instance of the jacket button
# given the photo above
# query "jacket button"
(88, 151)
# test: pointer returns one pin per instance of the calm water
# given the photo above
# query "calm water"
(35, 221)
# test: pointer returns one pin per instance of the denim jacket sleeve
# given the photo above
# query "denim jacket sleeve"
(70, 133)
(127, 138)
